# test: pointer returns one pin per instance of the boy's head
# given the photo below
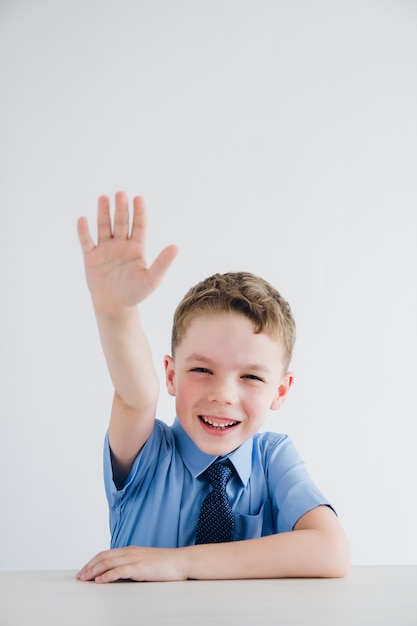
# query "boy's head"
(242, 293)
(232, 340)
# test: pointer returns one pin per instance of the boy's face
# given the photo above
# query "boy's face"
(225, 378)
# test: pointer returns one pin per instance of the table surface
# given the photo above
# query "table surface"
(368, 595)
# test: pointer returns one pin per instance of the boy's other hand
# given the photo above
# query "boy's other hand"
(135, 563)
(116, 269)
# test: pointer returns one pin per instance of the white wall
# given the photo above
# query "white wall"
(274, 136)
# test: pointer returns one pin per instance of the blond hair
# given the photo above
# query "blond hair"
(242, 293)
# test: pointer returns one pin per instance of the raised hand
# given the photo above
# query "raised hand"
(116, 269)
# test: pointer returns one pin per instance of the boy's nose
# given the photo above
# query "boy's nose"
(223, 392)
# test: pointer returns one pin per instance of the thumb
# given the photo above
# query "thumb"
(161, 264)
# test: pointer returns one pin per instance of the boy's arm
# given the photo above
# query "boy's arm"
(316, 548)
(119, 279)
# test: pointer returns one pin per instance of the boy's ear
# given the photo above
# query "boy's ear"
(282, 391)
(169, 374)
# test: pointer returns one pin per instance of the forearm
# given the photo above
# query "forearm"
(317, 547)
(302, 554)
(129, 359)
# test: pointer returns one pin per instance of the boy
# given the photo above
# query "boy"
(231, 346)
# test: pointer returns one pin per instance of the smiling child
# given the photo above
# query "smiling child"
(232, 340)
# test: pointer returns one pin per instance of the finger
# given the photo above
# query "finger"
(103, 219)
(86, 572)
(106, 556)
(102, 563)
(91, 573)
(86, 241)
(121, 216)
(139, 220)
(120, 572)
(161, 264)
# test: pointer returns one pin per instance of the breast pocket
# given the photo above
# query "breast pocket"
(252, 526)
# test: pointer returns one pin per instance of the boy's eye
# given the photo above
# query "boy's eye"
(202, 370)
(253, 377)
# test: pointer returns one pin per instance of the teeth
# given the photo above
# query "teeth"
(216, 425)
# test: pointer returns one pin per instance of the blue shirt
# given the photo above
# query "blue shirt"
(161, 499)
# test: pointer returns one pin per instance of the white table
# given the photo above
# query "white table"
(380, 596)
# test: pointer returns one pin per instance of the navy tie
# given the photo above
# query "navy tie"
(215, 522)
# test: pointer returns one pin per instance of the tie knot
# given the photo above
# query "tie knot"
(219, 474)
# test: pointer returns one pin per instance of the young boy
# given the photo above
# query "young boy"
(231, 346)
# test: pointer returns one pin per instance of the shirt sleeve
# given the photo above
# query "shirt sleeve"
(143, 467)
(293, 492)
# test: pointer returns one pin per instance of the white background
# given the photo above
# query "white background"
(278, 137)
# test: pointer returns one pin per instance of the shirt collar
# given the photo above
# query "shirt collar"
(197, 461)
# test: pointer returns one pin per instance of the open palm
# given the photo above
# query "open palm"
(116, 269)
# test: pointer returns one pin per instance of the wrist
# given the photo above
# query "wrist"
(116, 313)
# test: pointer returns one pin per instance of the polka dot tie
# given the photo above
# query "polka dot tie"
(215, 522)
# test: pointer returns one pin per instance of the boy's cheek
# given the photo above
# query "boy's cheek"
(186, 398)
(182, 395)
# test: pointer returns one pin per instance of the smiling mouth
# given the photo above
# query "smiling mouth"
(217, 425)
